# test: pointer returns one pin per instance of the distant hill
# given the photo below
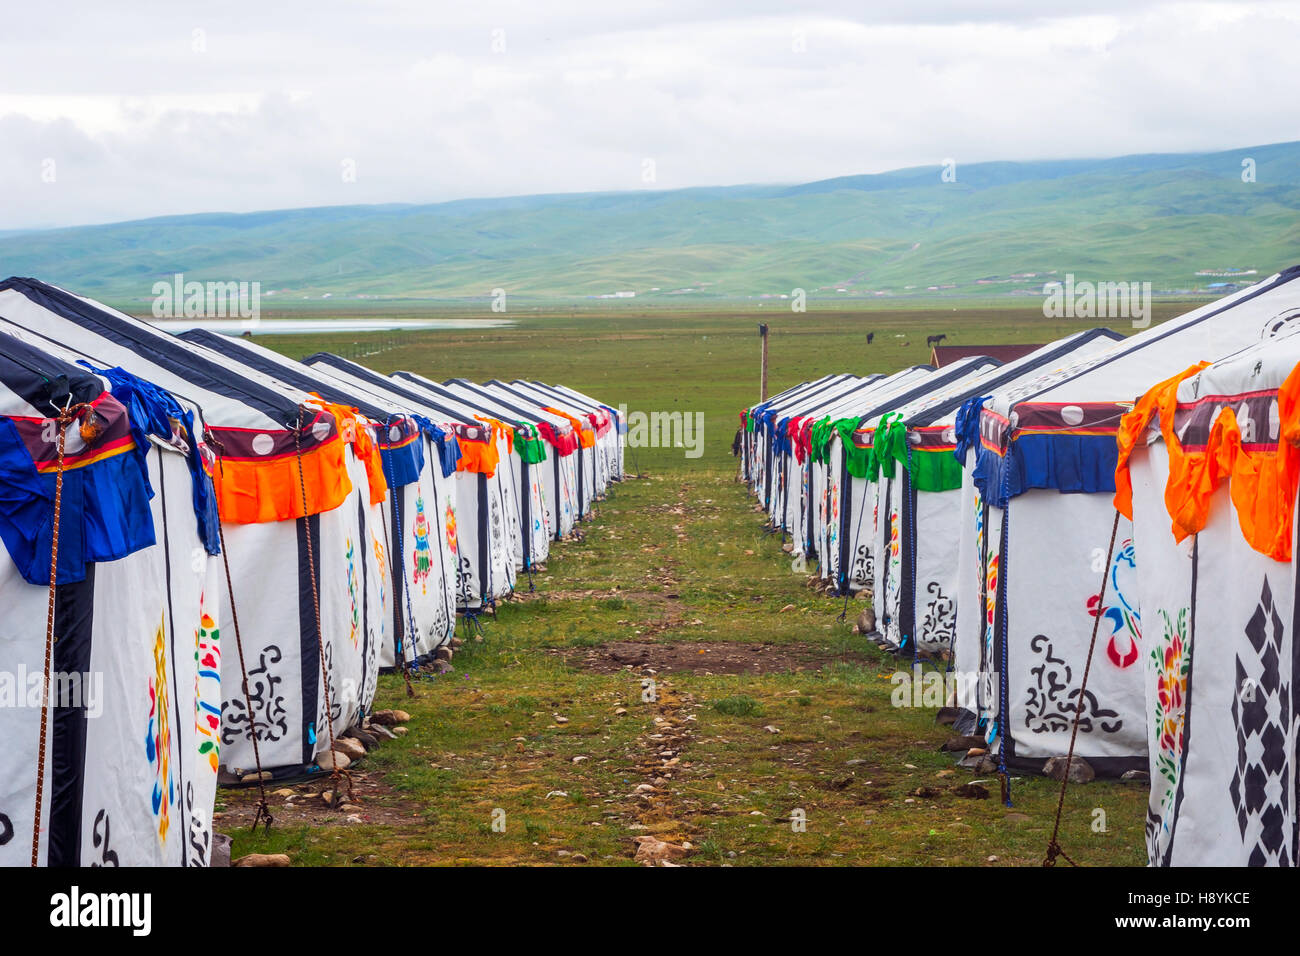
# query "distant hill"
(1001, 227)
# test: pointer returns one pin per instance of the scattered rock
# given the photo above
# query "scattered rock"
(255, 777)
(620, 711)
(442, 667)
(866, 621)
(788, 607)
(390, 718)
(350, 747)
(443, 653)
(364, 737)
(333, 760)
(977, 751)
(947, 716)
(623, 653)
(1135, 776)
(220, 850)
(579, 858)
(282, 792)
(381, 732)
(561, 720)
(966, 743)
(972, 791)
(991, 859)
(772, 730)
(1079, 771)
(401, 731)
(980, 763)
(263, 859)
(653, 850)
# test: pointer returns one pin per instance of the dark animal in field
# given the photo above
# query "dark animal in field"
(934, 339)
(870, 336)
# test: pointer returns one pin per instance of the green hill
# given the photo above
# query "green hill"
(1002, 227)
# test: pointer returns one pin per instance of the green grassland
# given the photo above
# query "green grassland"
(540, 720)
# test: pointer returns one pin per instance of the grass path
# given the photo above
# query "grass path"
(545, 721)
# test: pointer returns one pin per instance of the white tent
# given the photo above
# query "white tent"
(613, 445)
(559, 476)
(758, 426)
(269, 444)
(778, 428)
(130, 737)
(915, 595)
(483, 529)
(602, 421)
(418, 595)
(1211, 459)
(852, 497)
(1044, 473)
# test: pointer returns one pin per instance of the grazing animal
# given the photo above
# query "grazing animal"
(870, 336)
(934, 339)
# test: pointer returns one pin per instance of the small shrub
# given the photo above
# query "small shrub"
(738, 705)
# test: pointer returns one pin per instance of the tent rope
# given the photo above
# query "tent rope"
(1053, 846)
(263, 814)
(65, 417)
(336, 775)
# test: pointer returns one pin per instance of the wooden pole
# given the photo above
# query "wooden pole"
(762, 374)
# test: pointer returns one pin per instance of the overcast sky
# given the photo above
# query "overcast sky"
(109, 113)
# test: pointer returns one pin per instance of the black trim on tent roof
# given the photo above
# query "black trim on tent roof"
(185, 363)
(478, 390)
(486, 406)
(39, 378)
(926, 386)
(1012, 371)
(832, 391)
(581, 402)
(330, 360)
(1286, 275)
(331, 392)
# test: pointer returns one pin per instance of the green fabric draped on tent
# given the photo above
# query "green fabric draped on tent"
(934, 469)
(529, 444)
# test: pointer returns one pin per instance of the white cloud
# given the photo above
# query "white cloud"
(257, 106)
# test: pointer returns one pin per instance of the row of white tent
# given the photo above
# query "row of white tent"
(243, 543)
(976, 504)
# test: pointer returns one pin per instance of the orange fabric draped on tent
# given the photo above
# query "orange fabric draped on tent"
(1262, 482)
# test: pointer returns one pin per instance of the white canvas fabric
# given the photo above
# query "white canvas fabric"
(1049, 550)
(139, 788)
(413, 549)
(1219, 653)
(268, 562)
(928, 535)
(612, 443)
(559, 474)
(474, 563)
